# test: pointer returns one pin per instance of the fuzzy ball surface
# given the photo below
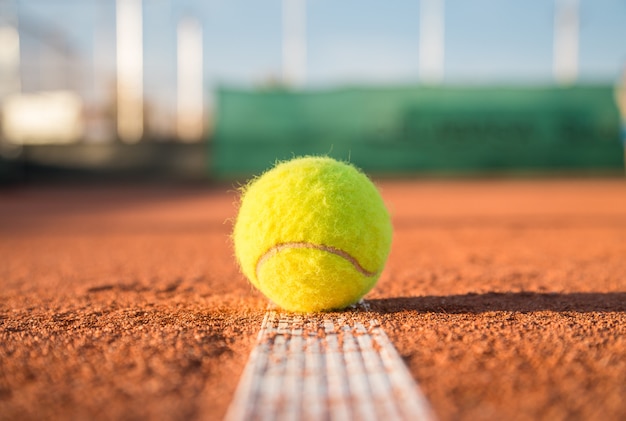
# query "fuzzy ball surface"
(312, 234)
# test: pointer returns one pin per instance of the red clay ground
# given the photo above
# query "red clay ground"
(507, 300)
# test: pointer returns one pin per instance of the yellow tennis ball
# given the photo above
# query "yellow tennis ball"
(312, 234)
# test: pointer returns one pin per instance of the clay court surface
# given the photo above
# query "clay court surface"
(506, 299)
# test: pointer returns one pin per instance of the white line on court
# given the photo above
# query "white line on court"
(325, 369)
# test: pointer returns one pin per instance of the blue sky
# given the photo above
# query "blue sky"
(349, 41)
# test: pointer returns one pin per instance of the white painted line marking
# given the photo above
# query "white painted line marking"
(357, 378)
(377, 376)
(312, 369)
(315, 387)
(336, 401)
(414, 405)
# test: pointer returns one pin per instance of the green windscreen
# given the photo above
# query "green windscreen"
(419, 129)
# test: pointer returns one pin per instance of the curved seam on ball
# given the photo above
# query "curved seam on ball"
(303, 245)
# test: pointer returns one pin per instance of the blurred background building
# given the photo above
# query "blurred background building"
(106, 83)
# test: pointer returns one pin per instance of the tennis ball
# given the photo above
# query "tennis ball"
(312, 234)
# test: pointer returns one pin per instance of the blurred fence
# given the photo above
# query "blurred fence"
(421, 129)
